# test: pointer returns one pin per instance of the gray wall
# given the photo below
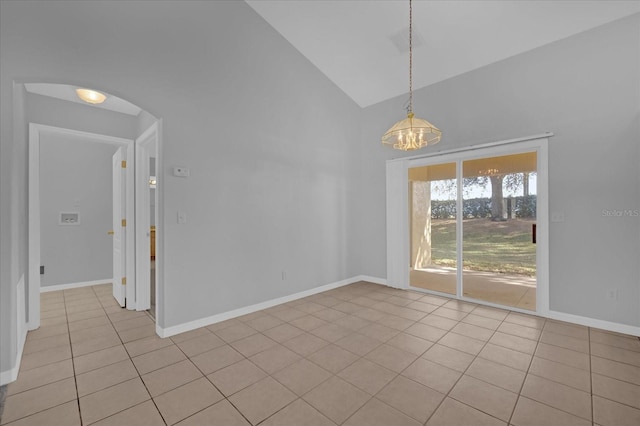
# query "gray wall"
(287, 172)
(75, 176)
(585, 89)
(76, 116)
(48, 111)
(271, 143)
(76, 169)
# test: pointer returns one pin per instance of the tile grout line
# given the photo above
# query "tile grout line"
(533, 355)
(139, 376)
(467, 368)
(593, 419)
(268, 375)
(224, 397)
(213, 384)
(73, 364)
(474, 358)
(359, 357)
(121, 344)
(562, 384)
(420, 356)
(75, 376)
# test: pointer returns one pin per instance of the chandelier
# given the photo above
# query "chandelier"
(411, 133)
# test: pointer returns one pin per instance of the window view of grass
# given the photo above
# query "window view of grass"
(489, 246)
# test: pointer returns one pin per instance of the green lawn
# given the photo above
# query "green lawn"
(503, 247)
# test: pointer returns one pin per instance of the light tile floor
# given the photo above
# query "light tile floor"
(518, 291)
(363, 354)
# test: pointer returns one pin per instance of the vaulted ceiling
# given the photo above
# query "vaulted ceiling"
(361, 45)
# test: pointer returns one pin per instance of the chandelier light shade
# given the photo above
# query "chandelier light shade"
(411, 133)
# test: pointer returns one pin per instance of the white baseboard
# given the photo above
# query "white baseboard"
(560, 316)
(375, 280)
(203, 322)
(21, 319)
(48, 288)
(595, 323)
(11, 375)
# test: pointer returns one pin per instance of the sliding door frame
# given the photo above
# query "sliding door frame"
(398, 228)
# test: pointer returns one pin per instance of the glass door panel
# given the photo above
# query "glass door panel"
(432, 208)
(498, 225)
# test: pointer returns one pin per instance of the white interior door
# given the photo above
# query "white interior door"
(118, 232)
(145, 147)
(143, 247)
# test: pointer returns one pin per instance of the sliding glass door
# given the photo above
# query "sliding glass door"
(472, 223)
(498, 219)
(433, 193)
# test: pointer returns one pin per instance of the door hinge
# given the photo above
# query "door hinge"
(124, 280)
(124, 164)
(124, 222)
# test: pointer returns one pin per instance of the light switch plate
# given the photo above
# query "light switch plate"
(182, 218)
(180, 171)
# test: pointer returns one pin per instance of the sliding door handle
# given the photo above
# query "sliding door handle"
(533, 233)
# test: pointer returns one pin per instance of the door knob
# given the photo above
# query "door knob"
(110, 232)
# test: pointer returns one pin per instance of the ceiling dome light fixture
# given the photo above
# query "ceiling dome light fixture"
(411, 133)
(91, 96)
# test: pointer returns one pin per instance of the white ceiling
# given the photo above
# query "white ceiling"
(68, 93)
(352, 41)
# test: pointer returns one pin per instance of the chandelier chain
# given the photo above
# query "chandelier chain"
(410, 56)
(411, 133)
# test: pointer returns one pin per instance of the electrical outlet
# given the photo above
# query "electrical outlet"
(612, 294)
(284, 275)
(557, 216)
(41, 269)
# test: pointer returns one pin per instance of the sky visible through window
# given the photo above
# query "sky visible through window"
(446, 189)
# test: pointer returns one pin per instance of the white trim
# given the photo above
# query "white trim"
(555, 315)
(159, 219)
(375, 280)
(130, 243)
(542, 229)
(397, 224)
(35, 130)
(459, 228)
(11, 375)
(397, 209)
(203, 322)
(475, 301)
(595, 323)
(143, 143)
(33, 269)
(21, 319)
(113, 140)
(474, 147)
(22, 326)
(48, 288)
